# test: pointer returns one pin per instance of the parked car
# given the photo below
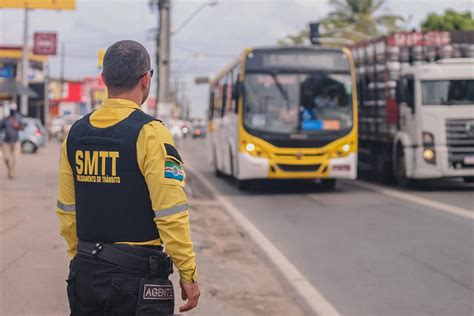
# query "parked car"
(60, 126)
(33, 135)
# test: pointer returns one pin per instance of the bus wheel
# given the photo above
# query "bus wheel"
(244, 185)
(468, 179)
(231, 161)
(328, 184)
(400, 169)
(217, 172)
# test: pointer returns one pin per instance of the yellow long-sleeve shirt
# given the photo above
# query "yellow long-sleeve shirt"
(167, 195)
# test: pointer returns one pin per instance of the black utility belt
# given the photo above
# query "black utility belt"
(150, 261)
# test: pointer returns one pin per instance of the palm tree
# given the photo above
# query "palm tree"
(358, 17)
(354, 20)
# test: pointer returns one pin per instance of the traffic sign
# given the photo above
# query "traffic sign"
(100, 57)
(39, 4)
(45, 44)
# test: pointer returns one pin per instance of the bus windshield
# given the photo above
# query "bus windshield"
(298, 102)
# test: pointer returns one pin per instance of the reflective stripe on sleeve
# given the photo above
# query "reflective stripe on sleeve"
(66, 207)
(171, 210)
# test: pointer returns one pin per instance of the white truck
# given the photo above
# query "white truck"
(416, 105)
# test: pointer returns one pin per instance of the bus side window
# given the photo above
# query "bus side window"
(211, 104)
(217, 100)
(229, 91)
(235, 89)
(224, 99)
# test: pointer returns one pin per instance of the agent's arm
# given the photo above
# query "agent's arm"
(162, 167)
(66, 204)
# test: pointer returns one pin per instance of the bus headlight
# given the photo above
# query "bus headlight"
(250, 147)
(253, 149)
(429, 155)
(343, 150)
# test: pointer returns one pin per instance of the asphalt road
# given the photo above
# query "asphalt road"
(367, 253)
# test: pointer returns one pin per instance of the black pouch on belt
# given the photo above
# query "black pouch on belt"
(156, 296)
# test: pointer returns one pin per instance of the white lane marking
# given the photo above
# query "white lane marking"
(314, 299)
(418, 200)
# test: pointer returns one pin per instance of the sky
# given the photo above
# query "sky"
(213, 38)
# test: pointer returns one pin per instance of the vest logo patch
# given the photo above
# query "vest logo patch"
(158, 292)
(97, 166)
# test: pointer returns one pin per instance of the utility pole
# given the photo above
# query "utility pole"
(25, 65)
(163, 105)
(61, 72)
(46, 92)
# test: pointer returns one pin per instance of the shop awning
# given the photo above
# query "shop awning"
(12, 87)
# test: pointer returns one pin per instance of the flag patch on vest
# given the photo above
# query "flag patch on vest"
(173, 171)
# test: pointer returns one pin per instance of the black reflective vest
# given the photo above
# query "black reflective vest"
(112, 199)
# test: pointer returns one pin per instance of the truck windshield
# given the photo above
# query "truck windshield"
(448, 92)
(292, 102)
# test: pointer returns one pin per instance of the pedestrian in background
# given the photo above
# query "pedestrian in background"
(121, 198)
(11, 127)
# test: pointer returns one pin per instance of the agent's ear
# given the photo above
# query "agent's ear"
(146, 80)
(103, 77)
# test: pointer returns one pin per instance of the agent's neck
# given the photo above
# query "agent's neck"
(128, 95)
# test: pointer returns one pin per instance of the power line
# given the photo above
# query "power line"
(203, 53)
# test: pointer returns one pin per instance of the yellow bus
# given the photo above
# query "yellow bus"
(285, 113)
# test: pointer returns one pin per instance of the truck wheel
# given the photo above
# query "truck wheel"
(468, 179)
(328, 184)
(400, 169)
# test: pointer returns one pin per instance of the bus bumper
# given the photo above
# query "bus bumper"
(250, 167)
(343, 168)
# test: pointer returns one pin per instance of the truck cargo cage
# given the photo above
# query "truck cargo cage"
(379, 63)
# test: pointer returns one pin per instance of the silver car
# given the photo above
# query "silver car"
(33, 135)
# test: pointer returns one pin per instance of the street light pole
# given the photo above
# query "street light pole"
(61, 72)
(163, 55)
(25, 65)
(163, 104)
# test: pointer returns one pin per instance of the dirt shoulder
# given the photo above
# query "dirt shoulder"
(235, 277)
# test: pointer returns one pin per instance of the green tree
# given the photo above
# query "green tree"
(449, 21)
(354, 20)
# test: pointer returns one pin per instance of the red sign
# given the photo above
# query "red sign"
(45, 44)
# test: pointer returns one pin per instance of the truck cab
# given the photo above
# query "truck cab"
(436, 106)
